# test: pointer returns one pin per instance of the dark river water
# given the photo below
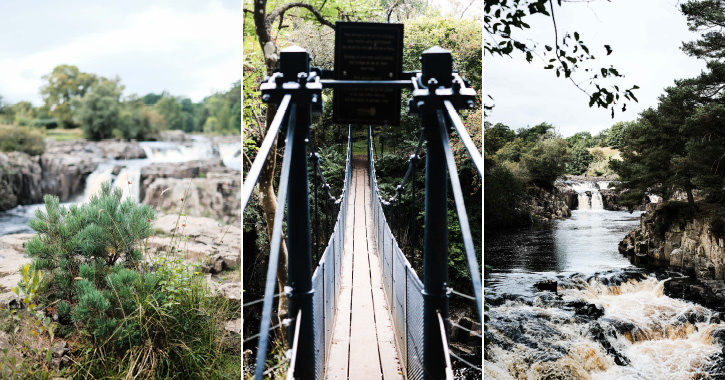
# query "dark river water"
(607, 319)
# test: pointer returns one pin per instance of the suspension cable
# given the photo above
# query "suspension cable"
(444, 341)
(275, 247)
(290, 373)
(465, 137)
(260, 160)
(285, 322)
(250, 303)
(413, 161)
(462, 215)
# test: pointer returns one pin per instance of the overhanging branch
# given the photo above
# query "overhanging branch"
(279, 12)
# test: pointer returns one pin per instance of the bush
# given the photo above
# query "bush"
(22, 139)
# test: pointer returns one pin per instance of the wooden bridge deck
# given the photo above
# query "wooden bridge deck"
(363, 341)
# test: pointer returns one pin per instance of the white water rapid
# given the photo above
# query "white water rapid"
(641, 335)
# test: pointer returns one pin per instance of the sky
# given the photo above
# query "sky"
(645, 36)
(188, 48)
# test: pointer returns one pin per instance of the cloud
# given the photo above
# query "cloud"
(186, 51)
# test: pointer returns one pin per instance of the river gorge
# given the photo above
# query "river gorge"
(565, 303)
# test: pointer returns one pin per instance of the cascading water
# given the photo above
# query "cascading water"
(129, 172)
(606, 321)
(589, 196)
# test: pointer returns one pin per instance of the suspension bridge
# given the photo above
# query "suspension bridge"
(364, 313)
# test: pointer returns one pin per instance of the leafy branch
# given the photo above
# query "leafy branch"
(503, 17)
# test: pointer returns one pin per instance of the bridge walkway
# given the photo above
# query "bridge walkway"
(363, 341)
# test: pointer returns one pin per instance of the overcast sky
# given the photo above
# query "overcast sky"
(645, 36)
(186, 47)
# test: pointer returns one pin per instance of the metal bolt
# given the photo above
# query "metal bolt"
(266, 98)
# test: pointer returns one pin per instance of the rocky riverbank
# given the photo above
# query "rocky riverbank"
(197, 239)
(61, 170)
(668, 237)
(207, 187)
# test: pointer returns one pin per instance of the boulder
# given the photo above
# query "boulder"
(217, 196)
(64, 174)
(20, 180)
(189, 169)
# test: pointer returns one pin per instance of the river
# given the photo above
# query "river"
(607, 320)
(200, 148)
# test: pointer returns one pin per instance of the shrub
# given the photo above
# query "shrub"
(161, 315)
(23, 139)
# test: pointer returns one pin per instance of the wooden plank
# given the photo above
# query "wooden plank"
(363, 340)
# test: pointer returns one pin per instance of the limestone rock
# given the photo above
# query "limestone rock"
(233, 292)
(174, 136)
(217, 246)
(121, 149)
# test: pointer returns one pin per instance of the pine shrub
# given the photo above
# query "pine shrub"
(91, 237)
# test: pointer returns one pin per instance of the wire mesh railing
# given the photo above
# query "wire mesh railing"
(401, 285)
(326, 279)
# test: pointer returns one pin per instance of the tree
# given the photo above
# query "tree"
(170, 109)
(615, 138)
(263, 22)
(99, 111)
(580, 160)
(496, 137)
(546, 162)
(65, 84)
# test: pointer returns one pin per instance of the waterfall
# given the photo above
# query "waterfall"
(589, 196)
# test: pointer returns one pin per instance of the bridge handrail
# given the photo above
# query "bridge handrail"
(326, 278)
(401, 284)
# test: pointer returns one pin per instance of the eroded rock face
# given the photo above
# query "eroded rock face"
(208, 188)
(64, 174)
(693, 245)
(549, 205)
(20, 180)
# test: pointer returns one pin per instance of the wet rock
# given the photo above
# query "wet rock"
(174, 136)
(546, 285)
(189, 169)
(120, 149)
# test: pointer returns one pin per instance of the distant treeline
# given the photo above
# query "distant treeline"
(75, 99)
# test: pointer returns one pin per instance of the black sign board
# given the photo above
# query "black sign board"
(367, 51)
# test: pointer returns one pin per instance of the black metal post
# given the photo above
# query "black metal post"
(295, 63)
(437, 70)
(315, 163)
